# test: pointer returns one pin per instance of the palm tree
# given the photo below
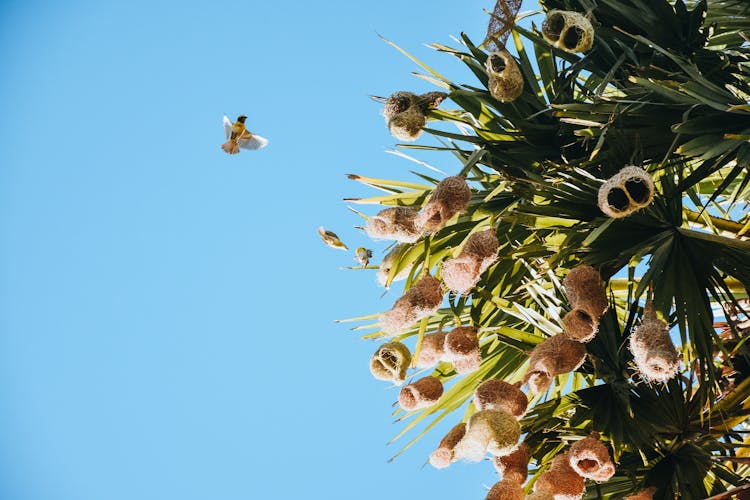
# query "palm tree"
(665, 87)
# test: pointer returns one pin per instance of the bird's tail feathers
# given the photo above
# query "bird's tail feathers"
(231, 147)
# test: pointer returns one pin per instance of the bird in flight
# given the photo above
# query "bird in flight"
(240, 137)
(331, 239)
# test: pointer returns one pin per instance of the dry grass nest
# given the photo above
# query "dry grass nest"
(390, 362)
(590, 459)
(450, 197)
(656, 357)
(567, 30)
(627, 191)
(443, 456)
(514, 466)
(395, 223)
(506, 490)
(462, 273)
(404, 112)
(497, 394)
(461, 347)
(505, 79)
(554, 356)
(493, 431)
(561, 480)
(423, 393)
(432, 350)
(419, 301)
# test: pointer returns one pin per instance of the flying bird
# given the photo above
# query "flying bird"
(331, 239)
(240, 137)
(363, 256)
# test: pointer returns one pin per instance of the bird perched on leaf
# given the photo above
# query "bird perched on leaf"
(331, 239)
(363, 256)
(240, 137)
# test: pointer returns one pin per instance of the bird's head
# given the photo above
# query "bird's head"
(241, 118)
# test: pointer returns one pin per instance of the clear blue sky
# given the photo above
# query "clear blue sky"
(166, 310)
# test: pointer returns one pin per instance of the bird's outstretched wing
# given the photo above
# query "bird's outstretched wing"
(227, 126)
(252, 141)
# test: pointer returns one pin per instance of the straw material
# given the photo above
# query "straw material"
(505, 79)
(497, 394)
(461, 274)
(432, 350)
(647, 494)
(385, 266)
(554, 356)
(431, 100)
(627, 191)
(407, 126)
(540, 495)
(561, 480)
(505, 490)
(395, 223)
(515, 466)
(590, 459)
(569, 31)
(461, 347)
(397, 103)
(585, 290)
(450, 197)
(443, 456)
(390, 362)
(419, 301)
(423, 393)
(493, 431)
(580, 326)
(656, 357)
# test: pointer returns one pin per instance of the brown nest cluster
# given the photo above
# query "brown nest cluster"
(423, 393)
(656, 357)
(461, 347)
(462, 273)
(419, 301)
(554, 356)
(450, 197)
(395, 223)
(390, 362)
(627, 191)
(505, 79)
(495, 394)
(488, 431)
(588, 300)
(567, 30)
(405, 113)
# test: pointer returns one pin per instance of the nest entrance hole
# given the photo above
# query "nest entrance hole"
(638, 190)
(617, 199)
(497, 63)
(573, 37)
(588, 465)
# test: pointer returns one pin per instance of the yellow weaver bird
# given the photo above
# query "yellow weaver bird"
(240, 137)
(331, 239)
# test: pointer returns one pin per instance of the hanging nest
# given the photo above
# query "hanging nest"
(387, 264)
(407, 126)
(590, 459)
(505, 79)
(398, 102)
(506, 490)
(497, 394)
(585, 290)
(482, 247)
(567, 30)
(514, 466)
(420, 394)
(390, 362)
(404, 112)
(461, 347)
(395, 223)
(540, 495)
(450, 197)
(431, 100)
(627, 191)
(580, 326)
(561, 480)
(554, 356)
(432, 350)
(419, 301)
(462, 273)
(443, 456)
(656, 357)
(493, 431)
(647, 494)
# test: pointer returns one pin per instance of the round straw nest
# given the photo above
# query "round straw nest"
(395, 223)
(462, 273)
(398, 102)
(506, 490)
(590, 459)
(569, 31)
(554, 356)
(505, 79)
(647, 494)
(450, 197)
(540, 495)
(419, 301)
(461, 347)
(387, 264)
(580, 326)
(432, 350)
(585, 290)
(656, 357)
(420, 394)
(404, 112)
(561, 480)
(443, 455)
(627, 191)
(497, 394)
(514, 466)
(390, 362)
(493, 431)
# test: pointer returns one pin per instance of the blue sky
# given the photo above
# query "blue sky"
(166, 311)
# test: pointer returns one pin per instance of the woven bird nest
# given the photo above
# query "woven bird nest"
(627, 191)
(514, 466)
(419, 301)
(505, 79)
(479, 252)
(506, 490)
(420, 394)
(493, 431)
(398, 102)
(443, 455)
(395, 223)
(461, 347)
(656, 357)
(569, 31)
(404, 112)
(390, 362)
(432, 350)
(647, 494)
(554, 356)
(387, 264)
(580, 326)
(585, 290)
(497, 394)
(590, 459)
(450, 197)
(561, 480)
